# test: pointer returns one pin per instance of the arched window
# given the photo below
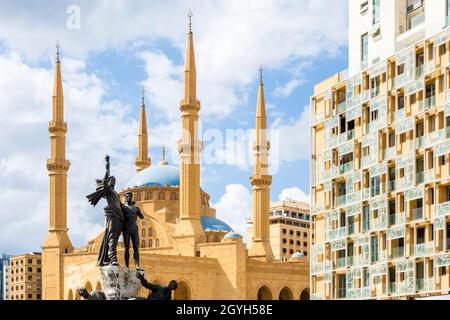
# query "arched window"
(157, 243)
(143, 232)
(143, 244)
(305, 294)
(161, 196)
(183, 292)
(138, 196)
(150, 243)
(286, 294)
(264, 293)
(149, 195)
(173, 196)
(203, 201)
(150, 232)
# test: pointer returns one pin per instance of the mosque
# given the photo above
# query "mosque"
(180, 236)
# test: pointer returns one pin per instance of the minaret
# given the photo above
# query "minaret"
(260, 246)
(189, 230)
(142, 160)
(57, 242)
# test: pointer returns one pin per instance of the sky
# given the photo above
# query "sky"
(109, 51)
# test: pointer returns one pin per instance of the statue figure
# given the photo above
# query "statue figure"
(94, 295)
(114, 217)
(130, 230)
(158, 292)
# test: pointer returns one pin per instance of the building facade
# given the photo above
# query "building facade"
(25, 277)
(4, 277)
(380, 171)
(290, 229)
(181, 238)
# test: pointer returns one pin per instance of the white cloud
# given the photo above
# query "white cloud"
(294, 193)
(293, 138)
(234, 207)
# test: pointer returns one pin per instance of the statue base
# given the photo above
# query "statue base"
(119, 283)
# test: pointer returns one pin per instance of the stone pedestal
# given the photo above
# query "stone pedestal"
(119, 283)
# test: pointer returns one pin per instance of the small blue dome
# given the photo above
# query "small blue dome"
(233, 234)
(214, 224)
(298, 255)
(159, 175)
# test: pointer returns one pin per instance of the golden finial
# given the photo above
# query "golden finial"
(261, 74)
(57, 50)
(143, 95)
(190, 15)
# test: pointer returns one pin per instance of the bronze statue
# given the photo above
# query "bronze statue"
(158, 292)
(130, 230)
(94, 295)
(114, 217)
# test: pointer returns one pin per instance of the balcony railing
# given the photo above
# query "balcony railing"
(443, 209)
(417, 213)
(340, 263)
(430, 102)
(419, 142)
(350, 134)
(400, 80)
(398, 218)
(398, 252)
(346, 167)
(420, 70)
(429, 175)
(419, 177)
(423, 249)
(391, 287)
(391, 185)
(375, 92)
(399, 115)
(340, 200)
(390, 153)
(341, 293)
(420, 284)
(341, 106)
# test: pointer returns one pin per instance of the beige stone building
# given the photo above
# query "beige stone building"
(380, 147)
(25, 277)
(290, 229)
(181, 238)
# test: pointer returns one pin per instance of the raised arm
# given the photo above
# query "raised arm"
(107, 174)
(139, 213)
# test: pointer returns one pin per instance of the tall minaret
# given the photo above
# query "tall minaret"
(260, 246)
(57, 242)
(189, 230)
(142, 160)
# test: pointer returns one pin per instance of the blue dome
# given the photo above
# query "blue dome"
(233, 234)
(298, 255)
(214, 224)
(159, 175)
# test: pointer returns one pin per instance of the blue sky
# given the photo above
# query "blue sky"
(121, 46)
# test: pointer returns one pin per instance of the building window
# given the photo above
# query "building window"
(150, 232)
(161, 196)
(157, 243)
(415, 13)
(143, 232)
(150, 243)
(376, 11)
(143, 244)
(305, 234)
(173, 196)
(149, 195)
(364, 47)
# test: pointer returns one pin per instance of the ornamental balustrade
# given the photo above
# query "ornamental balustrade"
(423, 249)
(442, 209)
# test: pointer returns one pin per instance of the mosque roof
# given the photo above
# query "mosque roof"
(160, 175)
(298, 255)
(233, 234)
(214, 224)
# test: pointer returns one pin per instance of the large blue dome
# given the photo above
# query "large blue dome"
(159, 175)
(214, 224)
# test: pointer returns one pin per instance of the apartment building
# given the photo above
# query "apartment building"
(380, 168)
(290, 229)
(4, 277)
(25, 277)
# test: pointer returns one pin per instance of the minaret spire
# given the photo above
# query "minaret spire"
(189, 230)
(57, 242)
(163, 161)
(142, 161)
(261, 180)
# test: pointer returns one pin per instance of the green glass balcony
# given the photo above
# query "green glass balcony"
(430, 102)
(420, 284)
(391, 185)
(447, 132)
(340, 263)
(375, 92)
(346, 167)
(391, 287)
(417, 213)
(350, 134)
(398, 252)
(340, 200)
(341, 107)
(420, 177)
(420, 70)
(419, 142)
